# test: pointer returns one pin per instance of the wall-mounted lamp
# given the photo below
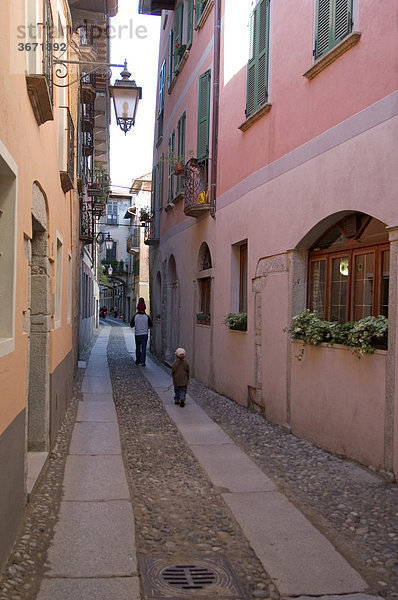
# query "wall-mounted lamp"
(108, 242)
(125, 94)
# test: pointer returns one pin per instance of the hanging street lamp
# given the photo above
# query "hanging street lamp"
(125, 94)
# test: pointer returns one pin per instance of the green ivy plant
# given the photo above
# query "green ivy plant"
(362, 337)
(236, 321)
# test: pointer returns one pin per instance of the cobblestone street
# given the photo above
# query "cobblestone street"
(178, 511)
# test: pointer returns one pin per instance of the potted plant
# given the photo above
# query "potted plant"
(202, 318)
(236, 321)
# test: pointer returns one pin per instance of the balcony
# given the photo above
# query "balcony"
(155, 7)
(88, 88)
(91, 210)
(87, 117)
(133, 242)
(151, 236)
(68, 175)
(87, 143)
(39, 80)
(98, 183)
(196, 192)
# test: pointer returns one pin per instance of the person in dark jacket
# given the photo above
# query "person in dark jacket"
(141, 322)
(180, 374)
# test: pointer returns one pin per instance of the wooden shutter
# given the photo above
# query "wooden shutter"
(203, 116)
(162, 77)
(171, 168)
(198, 12)
(161, 173)
(263, 44)
(181, 148)
(171, 58)
(190, 23)
(257, 66)
(252, 67)
(333, 23)
(323, 21)
(178, 33)
(342, 20)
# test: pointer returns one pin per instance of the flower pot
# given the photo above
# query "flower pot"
(179, 169)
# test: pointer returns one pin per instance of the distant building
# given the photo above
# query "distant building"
(285, 122)
(123, 249)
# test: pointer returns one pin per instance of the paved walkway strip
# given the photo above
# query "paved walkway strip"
(93, 552)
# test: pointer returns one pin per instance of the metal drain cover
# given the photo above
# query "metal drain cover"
(209, 577)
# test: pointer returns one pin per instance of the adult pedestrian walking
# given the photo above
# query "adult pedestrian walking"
(141, 323)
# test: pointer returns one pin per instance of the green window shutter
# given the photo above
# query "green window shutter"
(252, 67)
(342, 20)
(333, 23)
(161, 172)
(263, 45)
(154, 200)
(323, 26)
(171, 58)
(181, 148)
(257, 66)
(198, 12)
(203, 116)
(170, 195)
(190, 23)
(178, 33)
(162, 78)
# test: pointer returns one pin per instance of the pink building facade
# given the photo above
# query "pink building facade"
(287, 127)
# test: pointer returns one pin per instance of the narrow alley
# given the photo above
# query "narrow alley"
(153, 501)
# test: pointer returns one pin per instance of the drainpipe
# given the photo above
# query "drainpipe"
(216, 106)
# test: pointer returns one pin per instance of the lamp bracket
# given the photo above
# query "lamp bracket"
(94, 68)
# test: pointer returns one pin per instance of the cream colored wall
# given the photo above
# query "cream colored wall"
(35, 151)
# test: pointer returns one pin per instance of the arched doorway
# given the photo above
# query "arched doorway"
(40, 315)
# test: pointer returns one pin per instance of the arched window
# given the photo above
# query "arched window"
(204, 284)
(348, 271)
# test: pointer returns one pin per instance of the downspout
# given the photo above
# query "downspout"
(216, 106)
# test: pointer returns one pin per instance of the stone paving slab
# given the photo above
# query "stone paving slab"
(229, 467)
(195, 425)
(96, 410)
(95, 478)
(299, 559)
(95, 438)
(95, 384)
(93, 539)
(115, 588)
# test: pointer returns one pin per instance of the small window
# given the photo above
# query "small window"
(111, 253)
(333, 24)
(111, 212)
(349, 270)
(243, 278)
(204, 298)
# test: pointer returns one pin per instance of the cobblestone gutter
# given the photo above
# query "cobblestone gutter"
(355, 509)
(178, 512)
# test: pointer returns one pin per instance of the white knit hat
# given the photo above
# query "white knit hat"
(180, 352)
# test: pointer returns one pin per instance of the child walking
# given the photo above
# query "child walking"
(180, 373)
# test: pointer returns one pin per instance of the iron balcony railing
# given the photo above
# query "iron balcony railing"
(196, 191)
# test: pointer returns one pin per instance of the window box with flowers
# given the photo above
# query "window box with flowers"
(236, 321)
(363, 337)
(202, 319)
